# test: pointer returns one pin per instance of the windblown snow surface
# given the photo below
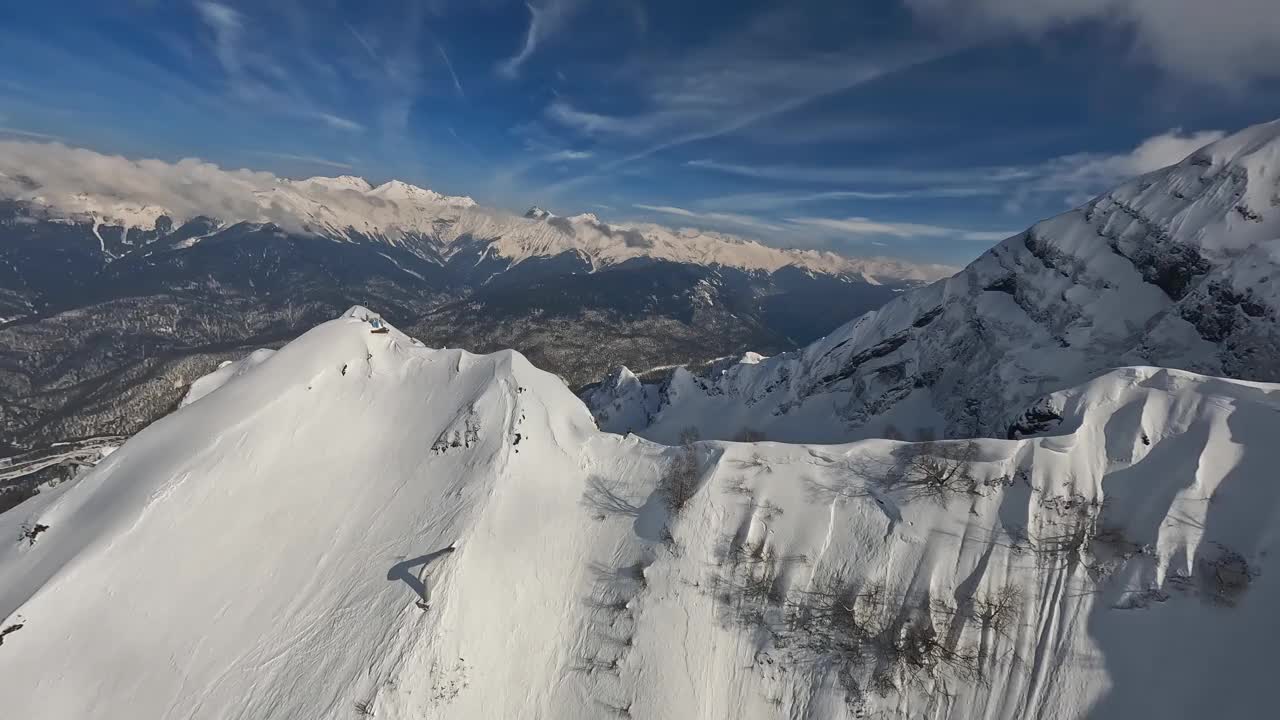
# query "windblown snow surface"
(361, 526)
(226, 372)
(1178, 268)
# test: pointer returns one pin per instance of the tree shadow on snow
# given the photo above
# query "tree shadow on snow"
(400, 571)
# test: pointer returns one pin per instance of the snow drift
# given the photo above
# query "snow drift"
(359, 525)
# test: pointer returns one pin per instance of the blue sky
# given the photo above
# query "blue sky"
(922, 129)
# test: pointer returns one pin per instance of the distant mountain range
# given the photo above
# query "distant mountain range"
(119, 287)
(155, 201)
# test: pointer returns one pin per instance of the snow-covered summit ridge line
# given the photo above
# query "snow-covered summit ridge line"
(358, 525)
(82, 185)
(1178, 268)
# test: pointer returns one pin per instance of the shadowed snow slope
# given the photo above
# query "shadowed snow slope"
(358, 524)
(1178, 268)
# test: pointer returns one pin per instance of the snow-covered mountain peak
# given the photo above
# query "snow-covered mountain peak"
(1255, 148)
(357, 525)
(1178, 268)
(1227, 192)
(82, 186)
(342, 182)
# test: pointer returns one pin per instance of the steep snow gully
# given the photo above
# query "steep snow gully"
(358, 525)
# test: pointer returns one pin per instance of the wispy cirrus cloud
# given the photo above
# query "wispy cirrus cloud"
(1083, 175)
(546, 18)
(861, 226)
(448, 64)
(257, 77)
(1075, 177)
(309, 159)
(539, 154)
(959, 180)
(808, 231)
(751, 75)
(590, 123)
(29, 134)
(337, 122)
(782, 199)
(713, 218)
(561, 155)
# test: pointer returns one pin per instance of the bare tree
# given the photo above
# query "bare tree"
(866, 627)
(679, 481)
(998, 610)
(1227, 576)
(607, 498)
(934, 469)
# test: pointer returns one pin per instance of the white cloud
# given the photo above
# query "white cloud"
(339, 123)
(257, 77)
(16, 132)
(668, 209)
(1222, 42)
(363, 42)
(596, 124)
(545, 20)
(76, 180)
(761, 201)
(754, 74)
(1075, 177)
(861, 226)
(562, 155)
(715, 218)
(449, 66)
(992, 236)
(305, 159)
(1085, 171)
(960, 181)
(227, 25)
(188, 187)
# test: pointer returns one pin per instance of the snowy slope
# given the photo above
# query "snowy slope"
(67, 184)
(225, 373)
(262, 552)
(1179, 268)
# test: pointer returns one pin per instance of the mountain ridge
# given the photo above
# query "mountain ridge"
(122, 281)
(428, 224)
(1177, 268)
(360, 525)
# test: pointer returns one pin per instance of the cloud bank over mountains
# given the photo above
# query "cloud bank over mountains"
(82, 180)
(77, 183)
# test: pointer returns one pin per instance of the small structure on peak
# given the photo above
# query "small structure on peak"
(378, 326)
